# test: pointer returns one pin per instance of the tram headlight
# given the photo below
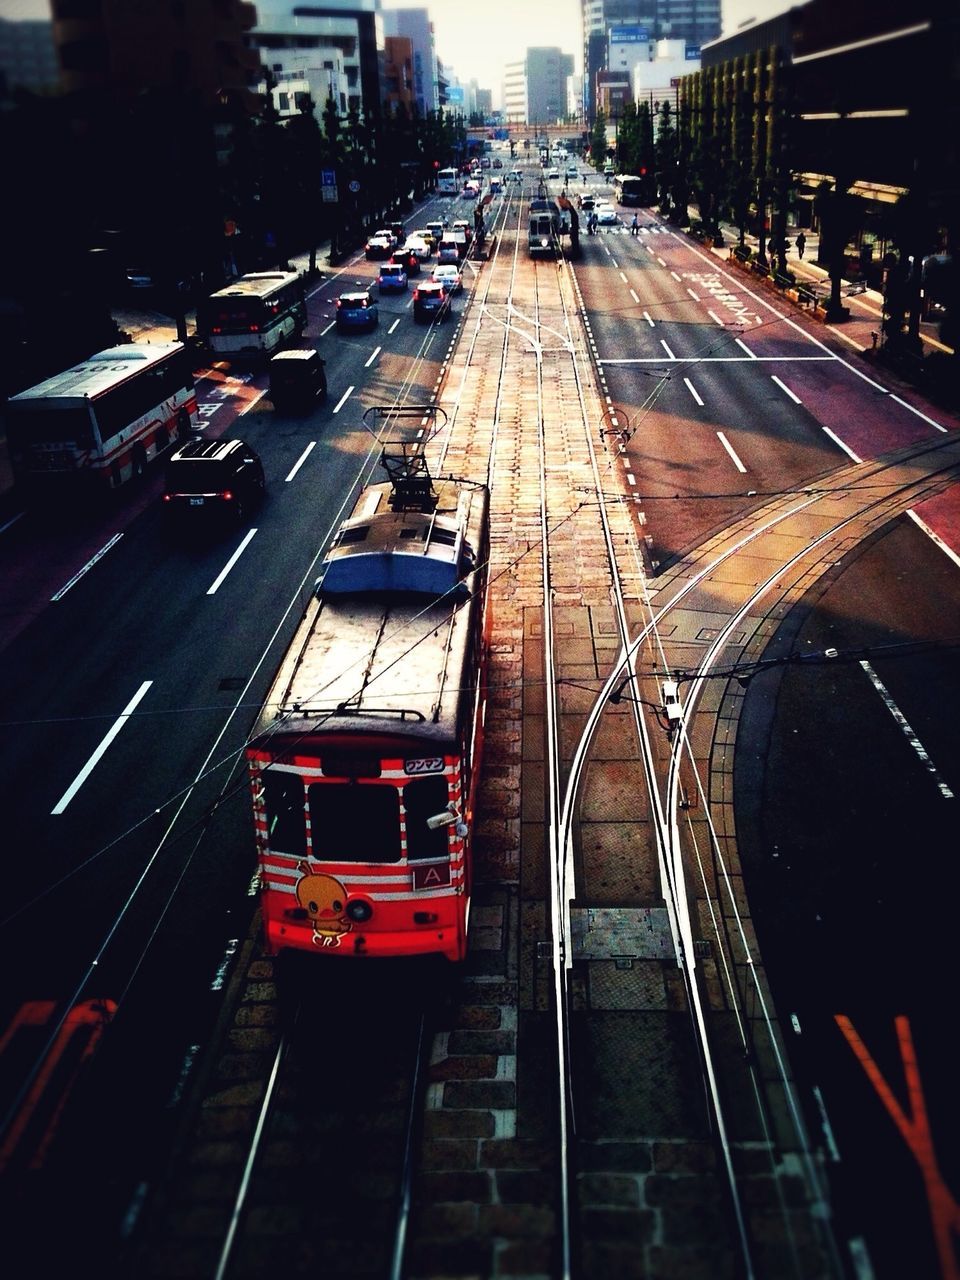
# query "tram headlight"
(359, 910)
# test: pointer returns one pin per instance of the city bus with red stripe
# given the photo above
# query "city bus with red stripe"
(364, 762)
(97, 425)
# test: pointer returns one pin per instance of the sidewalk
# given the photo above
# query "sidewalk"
(865, 305)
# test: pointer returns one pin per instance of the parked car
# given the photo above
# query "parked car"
(392, 278)
(297, 378)
(449, 276)
(356, 310)
(379, 246)
(211, 478)
(431, 301)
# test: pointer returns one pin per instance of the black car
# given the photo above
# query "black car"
(297, 379)
(430, 301)
(213, 477)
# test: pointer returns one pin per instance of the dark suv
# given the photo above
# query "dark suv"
(218, 477)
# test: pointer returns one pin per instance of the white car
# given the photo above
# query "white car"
(448, 275)
(573, 171)
(554, 173)
(606, 215)
(419, 246)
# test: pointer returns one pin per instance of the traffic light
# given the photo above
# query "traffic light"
(436, 164)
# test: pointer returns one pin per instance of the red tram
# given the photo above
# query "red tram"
(364, 762)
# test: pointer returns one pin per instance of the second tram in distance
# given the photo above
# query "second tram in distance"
(364, 762)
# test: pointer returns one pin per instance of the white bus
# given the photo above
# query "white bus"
(448, 182)
(98, 424)
(254, 315)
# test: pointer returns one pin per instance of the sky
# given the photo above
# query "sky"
(477, 46)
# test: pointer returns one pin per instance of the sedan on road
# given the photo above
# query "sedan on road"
(392, 278)
(430, 301)
(420, 246)
(356, 310)
(379, 246)
(448, 275)
(606, 215)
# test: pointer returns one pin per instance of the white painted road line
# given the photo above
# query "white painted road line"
(396, 322)
(667, 349)
(324, 332)
(783, 387)
(693, 391)
(12, 520)
(624, 278)
(908, 732)
(646, 316)
(218, 581)
(614, 262)
(251, 403)
(661, 261)
(86, 568)
(694, 296)
(729, 448)
(301, 460)
(840, 445)
(633, 295)
(376, 352)
(906, 405)
(94, 760)
(676, 277)
(343, 399)
(715, 318)
(934, 537)
(740, 343)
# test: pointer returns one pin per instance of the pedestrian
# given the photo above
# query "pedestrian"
(634, 226)
(594, 222)
(801, 244)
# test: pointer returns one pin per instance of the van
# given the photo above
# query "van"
(453, 247)
(297, 379)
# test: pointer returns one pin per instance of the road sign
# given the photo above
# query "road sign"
(354, 185)
(328, 177)
(329, 195)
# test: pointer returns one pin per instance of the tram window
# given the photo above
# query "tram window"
(423, 798)
(286, 825)
(351, 822)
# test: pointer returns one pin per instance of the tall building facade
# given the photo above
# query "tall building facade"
(120, 48)
(416, 26)
(290, 36)
(28, 59)
(535, 90)
(692, 21)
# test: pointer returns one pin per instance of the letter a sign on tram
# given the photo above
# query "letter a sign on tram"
(431, 877)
